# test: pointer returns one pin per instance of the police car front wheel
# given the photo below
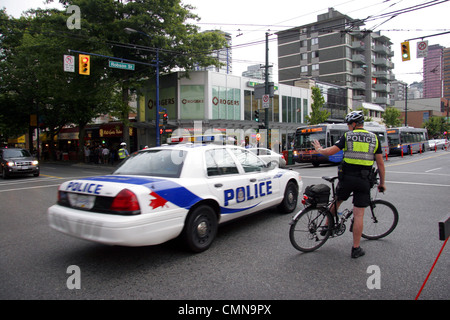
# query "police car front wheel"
(290, 198)
(200, 228)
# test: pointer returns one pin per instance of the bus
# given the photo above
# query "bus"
(328, 135)
(407, 139)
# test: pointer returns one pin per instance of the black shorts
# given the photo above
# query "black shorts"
(359, 186)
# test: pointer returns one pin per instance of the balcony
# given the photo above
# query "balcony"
(358, 72)
(382, 88)
(381, 75)
(359, 85)
(358, 45)
(359, 59)
(381, 100)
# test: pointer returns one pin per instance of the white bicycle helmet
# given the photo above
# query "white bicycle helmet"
(354, 116)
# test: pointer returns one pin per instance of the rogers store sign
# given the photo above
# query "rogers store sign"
(229, 102)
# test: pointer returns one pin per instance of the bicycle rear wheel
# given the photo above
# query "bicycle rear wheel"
(309, 229)
(380, 220)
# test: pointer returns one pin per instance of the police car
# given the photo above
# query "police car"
(162, 193)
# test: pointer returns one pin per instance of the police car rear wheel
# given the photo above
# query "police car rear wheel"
(200, 229)
(289, 202)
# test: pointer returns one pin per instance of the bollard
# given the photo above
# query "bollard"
(402, 150)
(435, 147)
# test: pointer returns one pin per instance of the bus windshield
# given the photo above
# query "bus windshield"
(305, 137)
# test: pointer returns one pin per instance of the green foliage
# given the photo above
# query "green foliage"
(31, 59)
(436, 126)
(317, 115)
(392, 117)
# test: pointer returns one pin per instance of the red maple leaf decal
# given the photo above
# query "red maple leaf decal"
(158, 201)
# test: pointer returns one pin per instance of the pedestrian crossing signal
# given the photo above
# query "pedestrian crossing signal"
(84, 64)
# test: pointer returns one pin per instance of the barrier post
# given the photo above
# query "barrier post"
(401, 147)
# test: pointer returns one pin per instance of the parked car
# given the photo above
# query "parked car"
(438, 144)
(15, 161)
(269, 155)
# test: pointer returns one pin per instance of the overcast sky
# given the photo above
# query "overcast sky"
(249, 20)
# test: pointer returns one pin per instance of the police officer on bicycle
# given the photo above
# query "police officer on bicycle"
(361, 149)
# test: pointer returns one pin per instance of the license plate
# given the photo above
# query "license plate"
(23, 168)
(81, 201)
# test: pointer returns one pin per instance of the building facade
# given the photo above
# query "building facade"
(210, 101)
(433, 72)
(447, 73)
(334, 50)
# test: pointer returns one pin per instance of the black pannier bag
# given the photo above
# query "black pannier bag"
(318, 194)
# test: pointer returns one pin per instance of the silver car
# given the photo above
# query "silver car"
(268, 155)
(17, 161)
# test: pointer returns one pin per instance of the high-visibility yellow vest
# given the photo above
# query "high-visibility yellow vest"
(122, 154)
(360, 147)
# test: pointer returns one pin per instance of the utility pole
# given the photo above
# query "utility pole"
(266, 83)
(406, 105)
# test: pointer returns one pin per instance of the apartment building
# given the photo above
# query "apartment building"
(433, 72)
(335, 49)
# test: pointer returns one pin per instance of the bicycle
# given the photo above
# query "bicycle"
(309, 228)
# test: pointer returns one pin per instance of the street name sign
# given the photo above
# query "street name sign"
(121, 65)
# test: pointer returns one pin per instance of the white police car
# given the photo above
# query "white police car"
(164, 192)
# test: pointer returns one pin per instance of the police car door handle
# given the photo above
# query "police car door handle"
(252, 180)
(218, 185)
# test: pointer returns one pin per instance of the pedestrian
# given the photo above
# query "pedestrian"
(105, 154)
(123, 152)
(87, 153)
(361, 149)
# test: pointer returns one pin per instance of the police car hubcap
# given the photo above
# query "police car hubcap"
(202, 229)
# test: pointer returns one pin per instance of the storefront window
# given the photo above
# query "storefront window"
(226, 103)
(192, 102)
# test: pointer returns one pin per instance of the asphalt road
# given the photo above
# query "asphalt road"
(251, 259)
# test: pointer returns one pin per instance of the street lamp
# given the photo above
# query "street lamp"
(158, 135)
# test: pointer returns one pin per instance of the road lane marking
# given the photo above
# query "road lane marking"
(28, 188)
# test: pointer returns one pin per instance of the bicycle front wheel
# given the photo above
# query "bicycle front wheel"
(380, 220)
(309, 230)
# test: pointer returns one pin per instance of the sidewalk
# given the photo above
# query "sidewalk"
(69, 163)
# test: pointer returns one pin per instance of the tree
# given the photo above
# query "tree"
(31, 60)
(436, 126)
(317, 115)
(392, 117)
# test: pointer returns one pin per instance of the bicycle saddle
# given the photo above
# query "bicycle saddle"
(330, 179)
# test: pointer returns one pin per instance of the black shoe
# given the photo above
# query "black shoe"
(357, 252)
(324, 231)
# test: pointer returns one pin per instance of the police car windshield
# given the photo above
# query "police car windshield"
(155, 163)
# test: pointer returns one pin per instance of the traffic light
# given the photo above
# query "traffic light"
(165, 118)
(405, 51)
(84, 64)
(256, 116)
